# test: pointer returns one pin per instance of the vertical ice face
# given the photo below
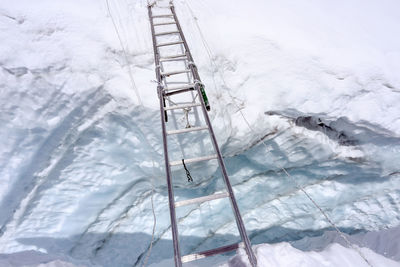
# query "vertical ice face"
(77, 155)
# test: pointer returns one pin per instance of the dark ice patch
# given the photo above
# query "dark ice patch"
(316, 124)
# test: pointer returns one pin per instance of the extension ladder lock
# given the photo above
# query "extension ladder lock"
(167, 36)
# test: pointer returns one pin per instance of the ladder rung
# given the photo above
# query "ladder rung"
(174, 72)
(187, 130)
(172, 43)
(190, 85)
(163, 7)
(164, 23)
(179, 91)
(166, 33)
(182, 106)
(174, 56)
(182, 82)
(193, 160)
(162, 16)
(211, 252)
(201, 199)
(173, 59)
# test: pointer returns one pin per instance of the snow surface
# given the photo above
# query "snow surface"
(318, 81)
(283, 254)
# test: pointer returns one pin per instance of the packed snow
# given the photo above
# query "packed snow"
(317, 81)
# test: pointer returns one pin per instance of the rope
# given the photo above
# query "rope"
(208, 50)
(189, 177)
(133, 84)
(154, 222)
(154, 216)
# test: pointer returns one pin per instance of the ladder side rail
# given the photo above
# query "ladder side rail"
(174, 228)
(238, 218)
(156, 55)
(192, 67)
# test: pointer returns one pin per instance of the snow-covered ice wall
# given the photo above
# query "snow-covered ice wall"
(318, 82)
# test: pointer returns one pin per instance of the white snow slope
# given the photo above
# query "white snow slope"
(318, 81)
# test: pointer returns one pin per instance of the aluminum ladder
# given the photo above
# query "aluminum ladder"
(158, 23)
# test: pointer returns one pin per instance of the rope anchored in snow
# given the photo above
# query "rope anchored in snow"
(189, 177)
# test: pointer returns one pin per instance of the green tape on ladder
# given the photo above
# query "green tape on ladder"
(203, 93)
